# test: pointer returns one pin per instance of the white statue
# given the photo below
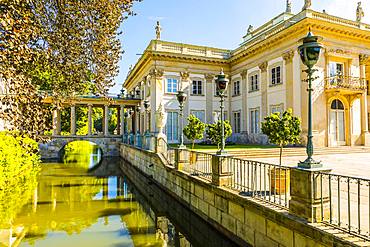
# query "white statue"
(216, 117)
(359, 12)
(288, 6)
(158, 31)
(160, 118)
(307, 4)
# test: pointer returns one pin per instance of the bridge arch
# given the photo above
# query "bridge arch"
(51, 149)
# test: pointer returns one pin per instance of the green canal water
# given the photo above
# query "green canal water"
(88, 201)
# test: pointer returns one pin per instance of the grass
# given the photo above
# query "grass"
(228, 147)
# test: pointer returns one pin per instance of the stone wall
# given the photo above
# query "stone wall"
(51, 149)
(246, 221)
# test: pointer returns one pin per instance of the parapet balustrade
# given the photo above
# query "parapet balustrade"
(345, 82)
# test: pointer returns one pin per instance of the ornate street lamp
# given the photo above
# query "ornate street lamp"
(125, 129)
(147, 131)
(181, 98)
(146, 106)
(221, 85)
(138, 110)
(138, 92)
(310, 53)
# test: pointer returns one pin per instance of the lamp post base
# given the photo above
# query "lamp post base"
(310, 163)
(182, 146)
(221, 153)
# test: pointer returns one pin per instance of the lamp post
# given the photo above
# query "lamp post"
(310, 53)
(138, 110)
(181, 98)
(147, 131)
(221, 85)
(131, 136)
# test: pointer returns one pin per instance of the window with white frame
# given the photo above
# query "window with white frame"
(199, 114)
(197, 87)
(254, 120)
(236, 121)
(236, 88)
(276, 75)
(277, 108)
(253, 83)
(172, 85)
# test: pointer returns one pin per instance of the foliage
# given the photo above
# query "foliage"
(66, 47)
(19, 165)
(282, 129)
(195, 129)
(213, 132)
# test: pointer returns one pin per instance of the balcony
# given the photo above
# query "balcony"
(345, 84)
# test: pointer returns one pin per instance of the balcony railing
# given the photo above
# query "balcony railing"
(345, 83)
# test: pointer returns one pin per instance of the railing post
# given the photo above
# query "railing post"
(181, 159)
(221, 174)
(309, 192)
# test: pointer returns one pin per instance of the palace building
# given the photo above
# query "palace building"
(266, 75)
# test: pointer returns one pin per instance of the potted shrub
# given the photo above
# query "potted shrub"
(281, 129)
(193, 131)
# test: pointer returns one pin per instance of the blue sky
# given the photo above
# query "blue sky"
(215, 23)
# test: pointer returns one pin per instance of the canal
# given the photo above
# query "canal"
(86, 201)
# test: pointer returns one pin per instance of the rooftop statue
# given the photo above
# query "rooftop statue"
(288, 6)
(307, 4)
(158, 30)
(359, 12)
(250, 29)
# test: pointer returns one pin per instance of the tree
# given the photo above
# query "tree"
(282, 129)
(214, 132)
(194, 130)
(65, 47)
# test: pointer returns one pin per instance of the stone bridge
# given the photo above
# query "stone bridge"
(108, 144)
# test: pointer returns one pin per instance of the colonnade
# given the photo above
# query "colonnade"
(125, 115)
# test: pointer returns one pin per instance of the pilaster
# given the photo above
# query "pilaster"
(290, 93)
(364, 110)
(209, 97)
(264, 83)
(244, 112)
(156, 92)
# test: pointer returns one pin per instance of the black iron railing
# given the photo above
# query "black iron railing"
(198, 164)
(267, 182)
(348, 199)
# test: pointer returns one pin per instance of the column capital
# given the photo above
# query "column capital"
(90, 105)
(185, 75)
(263, 66)
(156, 73)
(288, 56)
(209, 77)
(364, 58)
(244, 74)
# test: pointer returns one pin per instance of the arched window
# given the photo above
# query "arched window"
(337, 105)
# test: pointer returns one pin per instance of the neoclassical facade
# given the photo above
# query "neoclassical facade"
(266, 75)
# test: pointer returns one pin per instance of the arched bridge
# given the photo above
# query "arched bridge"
(108, 144)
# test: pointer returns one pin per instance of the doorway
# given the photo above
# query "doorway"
(337, 123)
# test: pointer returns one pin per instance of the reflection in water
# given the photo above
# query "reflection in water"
(76, 206)
(83, 154)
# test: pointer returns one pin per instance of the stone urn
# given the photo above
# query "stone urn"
(160, 118)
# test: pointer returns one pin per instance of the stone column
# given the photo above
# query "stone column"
(118, 128)
(221, 174)
(306, 186)
(106, 114)
(244, 113)
(73, 120)
(364, 111)
(56, 122)
(89, 119)
(264, 84)
(209, 97)
(122, 119)
(290, 94)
